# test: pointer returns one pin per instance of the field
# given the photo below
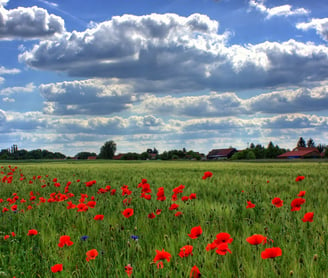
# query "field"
(63, 198)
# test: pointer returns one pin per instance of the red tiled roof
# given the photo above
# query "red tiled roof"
(221, 152)
(300, 152)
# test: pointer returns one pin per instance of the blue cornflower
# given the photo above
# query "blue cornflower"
(84, 238)
(134, 237)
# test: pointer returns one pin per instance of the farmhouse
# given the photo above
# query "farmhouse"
(217, 154)
(301, 152)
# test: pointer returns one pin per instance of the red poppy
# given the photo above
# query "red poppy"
(178, 213)
(207, 174)
(195, 273)
(256, 239)
(128, 212)
(151, 215)
(308, 217)
(185, 251)
(301, 194)
(32, 232)
(128, 270)
(57, 268)
(250, 205)
(91, 254)
(271, 253)
(178, 189)
(192, 196)
(223, 238)
(195, 232)
(65, 240)
(299, 178)
(158, 211)
(296, 204)
(160, 256)
(6, 237)
(99, 217)
(222, 249)
(185, 198)
(173, 206)
(277, 202)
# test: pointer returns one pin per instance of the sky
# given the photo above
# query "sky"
(164, 74)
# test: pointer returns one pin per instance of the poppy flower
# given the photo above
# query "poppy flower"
(173, 206)
(195, 273)
(128, 270)
(296, 204)
(32, 232)
(91, 254)
(185, 251)
(158, 211)
(65, 240)
(223, 238)
(192, 196)
(277, 202)
(308, 217)
(151, 215)
(57, 268)
(128, 212)
(178, 213)
(195, 232)
(207, 174)
(301, 194)
(299, 178)
(256, 239)
(6, 237)
(222, 249)
(160, 256)
(99, 217)
(270, 253)
(185, 198)
(250, 205)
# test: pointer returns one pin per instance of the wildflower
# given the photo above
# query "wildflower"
(195, 273)
(222, 249)
(299, 178)
(250, 205)
(32, 232)
(192, 196)
(134, 237)
(173, 206)
(277, 202)
(223, 238)
(6, 237)
(128, 212)
(296, 204)
(57, 268)
(158, 211)
(160, 256)
(178, 213)
(271, 253)
(195, 232)
(91, 254)
(185, 251)
(256, 239)
(151, 215)
(99, 217)
(65, 240)
(84, 238)
(185, 198)
(308, 217)
(207, 174)
(301, 194)
(128, 270)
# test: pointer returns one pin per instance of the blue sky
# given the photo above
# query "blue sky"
(167, 74)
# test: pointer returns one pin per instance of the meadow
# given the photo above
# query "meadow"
(88, 201)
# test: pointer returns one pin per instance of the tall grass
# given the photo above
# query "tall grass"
(220, 207)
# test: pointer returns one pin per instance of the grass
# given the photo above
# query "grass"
(220, 207)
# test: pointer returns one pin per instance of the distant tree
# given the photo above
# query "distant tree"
(301, 143)
(321, 147)
(252, 146)
(108, 150)
(84, 155)
(310, 143)
(326, 153)
(145, 155)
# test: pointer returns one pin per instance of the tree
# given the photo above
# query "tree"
(310, 143)
(108, 150)
(301, 142)
(321, 147)
(84, 155)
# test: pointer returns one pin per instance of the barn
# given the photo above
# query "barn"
(301, 152)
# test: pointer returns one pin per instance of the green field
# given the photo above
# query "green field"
(220, 206)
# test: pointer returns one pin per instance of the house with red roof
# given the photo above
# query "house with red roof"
(217, 154)
(301, 152)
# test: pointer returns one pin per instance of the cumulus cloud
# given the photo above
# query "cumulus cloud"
(180, 50)
(91, 97)
(3, 2)
(283, 10)
(29, 23)
(11, 90)
(4, 70)
(318, 24)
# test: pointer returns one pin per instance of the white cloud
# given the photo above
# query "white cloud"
(87, 97)
(283, 10)
(4, 70)
(11, 90)
(2, 80)
(3, 2)
(29, 23)
(7, 99)
(185, 52)
(318, 24)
